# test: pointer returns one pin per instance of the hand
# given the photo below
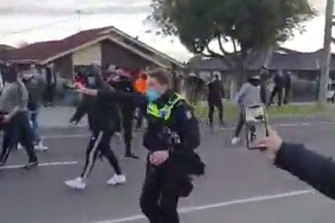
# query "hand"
(158, 158)
(272, 143)
(79, 88)
(6, 118)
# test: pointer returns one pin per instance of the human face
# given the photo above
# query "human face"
(153, 84)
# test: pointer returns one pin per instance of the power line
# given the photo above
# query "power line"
(34, 27)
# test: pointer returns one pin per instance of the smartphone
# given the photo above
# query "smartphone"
(73, 86)
(256, 125)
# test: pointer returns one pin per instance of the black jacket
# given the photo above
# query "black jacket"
(182, 122)
(308, 166)
(102, 115)
(279, 80)
(124, 86)
(34, 93)
(51, 79)
(215, 90)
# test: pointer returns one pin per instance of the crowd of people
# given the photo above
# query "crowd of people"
(110, 101)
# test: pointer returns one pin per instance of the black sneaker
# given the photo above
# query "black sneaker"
(31, 164)
(131, 156)
(211, 127)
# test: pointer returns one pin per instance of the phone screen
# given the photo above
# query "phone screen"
(256, 122)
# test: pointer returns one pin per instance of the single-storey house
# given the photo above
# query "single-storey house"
(104, 46)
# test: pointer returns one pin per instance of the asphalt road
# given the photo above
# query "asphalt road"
(240, 185)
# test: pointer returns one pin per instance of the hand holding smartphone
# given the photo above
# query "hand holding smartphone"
(256, 125)
(75, 86)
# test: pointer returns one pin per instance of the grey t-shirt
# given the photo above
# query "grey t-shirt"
(248, 95)
(14, 96)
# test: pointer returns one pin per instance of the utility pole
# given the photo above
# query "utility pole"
(326, 54)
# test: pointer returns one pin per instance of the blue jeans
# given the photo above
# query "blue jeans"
(33, 118)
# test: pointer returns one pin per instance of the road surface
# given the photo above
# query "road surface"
(240, 185)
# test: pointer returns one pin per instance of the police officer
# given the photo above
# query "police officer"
(127, 113)
(102, 119)
(171, 139)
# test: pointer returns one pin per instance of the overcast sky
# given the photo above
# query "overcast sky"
(39, 20)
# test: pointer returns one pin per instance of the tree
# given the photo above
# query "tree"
(211, 27)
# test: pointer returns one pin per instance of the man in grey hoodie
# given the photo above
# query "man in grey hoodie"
(249, 94)
(13, 103)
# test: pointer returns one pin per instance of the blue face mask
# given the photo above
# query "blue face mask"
(152, 95)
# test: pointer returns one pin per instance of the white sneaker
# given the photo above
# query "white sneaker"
(118, 137)
(41, 147)
(235, 140)
(77, 184)
(117, 179)
(19, 146)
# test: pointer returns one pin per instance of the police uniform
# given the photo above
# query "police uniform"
(172, 127)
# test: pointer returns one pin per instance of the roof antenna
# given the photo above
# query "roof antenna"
(79, 13)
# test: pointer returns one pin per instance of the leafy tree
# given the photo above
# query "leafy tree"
(211, 27)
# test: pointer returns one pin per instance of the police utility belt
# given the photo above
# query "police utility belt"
(191, 163)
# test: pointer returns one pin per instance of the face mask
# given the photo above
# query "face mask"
(152, 95)
(91, 81)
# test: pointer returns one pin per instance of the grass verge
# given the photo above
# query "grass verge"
(231, 112)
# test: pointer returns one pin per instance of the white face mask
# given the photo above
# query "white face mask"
(91, 81)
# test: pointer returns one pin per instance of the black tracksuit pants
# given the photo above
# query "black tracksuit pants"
(139, 118)
(17, 131)
(240, 124)
(127, 124)
(100, 145)
(158, 201)
(278, 90)
(49, 94)
(287, 91)
(215, 103)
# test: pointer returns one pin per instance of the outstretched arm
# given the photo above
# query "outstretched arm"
(310, 167)
(111, 95)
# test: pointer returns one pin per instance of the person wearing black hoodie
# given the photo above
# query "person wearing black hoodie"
(278, 88)
(127, 113)
(51, 84)
(215, 96)
(102, 118)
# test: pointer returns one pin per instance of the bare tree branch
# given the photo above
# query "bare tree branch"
(214, 54)
(221, 46)
(234, 45)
